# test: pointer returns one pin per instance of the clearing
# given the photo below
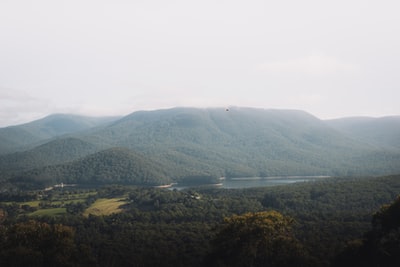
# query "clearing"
(105, 206)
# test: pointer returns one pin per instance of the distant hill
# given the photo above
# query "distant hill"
(180, 144)
(25, 136)
(115, 165)
(244, 142)
(383, 132)
(54, 152)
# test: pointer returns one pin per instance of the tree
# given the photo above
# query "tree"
(35, 243)
(381, 245)
(384, 239)
(257, 239)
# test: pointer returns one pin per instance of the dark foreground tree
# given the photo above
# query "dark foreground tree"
(257, 239)
(381, 245)
(35, 243)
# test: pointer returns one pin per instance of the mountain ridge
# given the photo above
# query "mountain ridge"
(382, 132)
(25, 136)
(214, 142)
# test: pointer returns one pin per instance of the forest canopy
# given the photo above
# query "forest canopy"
(333, 222)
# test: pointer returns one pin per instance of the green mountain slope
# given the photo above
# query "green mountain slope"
(54, 152)
(181, 144)
(115, 165)
(245, 142)
(26, 136)
(382, 132)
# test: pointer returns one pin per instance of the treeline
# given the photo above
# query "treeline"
(111, 166)
(328, 223)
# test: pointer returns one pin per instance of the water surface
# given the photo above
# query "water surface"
(249, 182)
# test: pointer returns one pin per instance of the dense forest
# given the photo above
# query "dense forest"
(163, 146)
(332, 222)
(80, 191)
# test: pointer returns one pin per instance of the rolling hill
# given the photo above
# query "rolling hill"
(111, 166)
(245, 142)
(54, 152)
(212, 142)
(382, 132)
(26, 136)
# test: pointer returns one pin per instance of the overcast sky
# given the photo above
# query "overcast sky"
(113, 57)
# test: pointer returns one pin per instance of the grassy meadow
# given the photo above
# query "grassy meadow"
(105, 206)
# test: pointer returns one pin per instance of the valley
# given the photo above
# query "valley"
(165, 188)
(178, 227)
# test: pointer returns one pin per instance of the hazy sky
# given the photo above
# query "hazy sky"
(112, 57)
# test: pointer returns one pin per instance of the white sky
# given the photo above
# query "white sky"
(112, 57)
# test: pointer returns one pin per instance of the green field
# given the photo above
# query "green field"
(105, 206)
(33, 203)
(49, 212)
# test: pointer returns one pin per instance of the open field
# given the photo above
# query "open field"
(33, 203)
(105, 206)
(49, 212)
(52, 204)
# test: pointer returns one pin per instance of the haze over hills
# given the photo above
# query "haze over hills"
(383, 132)
(54, 152)
(191, 143)
(25, 136)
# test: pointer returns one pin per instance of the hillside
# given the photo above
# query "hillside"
(115, 165)
(26, 136)
(382, 132)
(245, 142)
(54, 152)
(183, 143)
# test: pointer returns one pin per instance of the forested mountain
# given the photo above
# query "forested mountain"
(245, 142)
(25, 136)
(326, 222)
(54, 152)
(115, 165)
(383, 132)
(191, 142)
